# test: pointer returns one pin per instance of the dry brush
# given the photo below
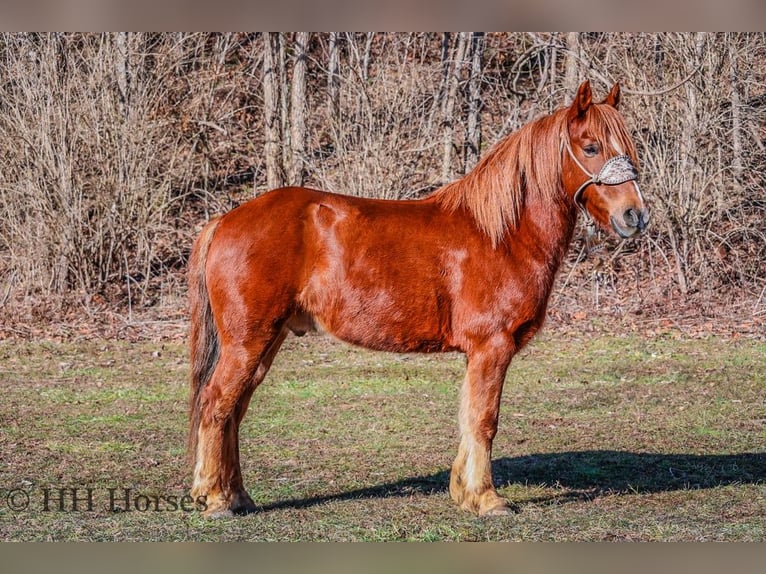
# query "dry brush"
(115, 147)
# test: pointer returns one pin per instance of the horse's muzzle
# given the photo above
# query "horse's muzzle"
(633, 221)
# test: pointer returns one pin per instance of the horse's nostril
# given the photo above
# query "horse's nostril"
(632, 218)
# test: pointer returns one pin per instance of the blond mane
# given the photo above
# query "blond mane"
(526, 162)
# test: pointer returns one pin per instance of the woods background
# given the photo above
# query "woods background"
(115, 148)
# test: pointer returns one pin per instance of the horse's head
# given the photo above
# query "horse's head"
(599, 160)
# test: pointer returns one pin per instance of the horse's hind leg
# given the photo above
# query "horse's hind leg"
(217, 472)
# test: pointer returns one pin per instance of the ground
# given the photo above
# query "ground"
(602, 437)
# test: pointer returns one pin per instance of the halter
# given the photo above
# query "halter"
(615, 171)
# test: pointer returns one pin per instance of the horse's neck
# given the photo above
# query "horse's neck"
(548, 227)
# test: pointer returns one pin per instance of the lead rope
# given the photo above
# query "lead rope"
(593, 241)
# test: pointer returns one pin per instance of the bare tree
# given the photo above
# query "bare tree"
(122, 68)
(381, 143)
(83, 194)
(733, 53)
(333, 74)
(454, 68)
(115, 144)
(571, 62)
(473, 124)
(284, 105)
(271, 109)
(298, 110)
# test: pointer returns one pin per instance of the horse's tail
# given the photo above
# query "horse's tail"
(203, 335)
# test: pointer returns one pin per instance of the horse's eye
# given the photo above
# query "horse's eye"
(591, 149)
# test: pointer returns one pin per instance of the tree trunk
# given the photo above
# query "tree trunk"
(554, 61)
(284, 107)
(473, 125)
(122, 70)
(271, 109)
(690, 168)
(453, 80)
(298, 110)
(736, 109)
(333, 76)
(572, 63)
(367, 53)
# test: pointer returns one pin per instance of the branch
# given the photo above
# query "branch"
(664, 90)
(212, 125)
(631, 91)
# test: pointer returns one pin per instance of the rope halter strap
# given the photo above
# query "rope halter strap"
(615, 171)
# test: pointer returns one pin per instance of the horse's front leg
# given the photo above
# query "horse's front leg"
(471, 483)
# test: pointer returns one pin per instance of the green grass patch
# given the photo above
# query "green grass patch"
(601, 438)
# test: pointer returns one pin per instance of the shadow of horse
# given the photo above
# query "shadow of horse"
(582, 475)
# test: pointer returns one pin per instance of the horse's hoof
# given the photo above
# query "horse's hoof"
(242, 504)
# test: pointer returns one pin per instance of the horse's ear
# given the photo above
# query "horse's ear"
(582, 101)
(613, 98)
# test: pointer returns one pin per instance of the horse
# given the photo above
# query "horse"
(467, 268)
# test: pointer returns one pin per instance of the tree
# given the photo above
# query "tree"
(333, 75)
(298, 110)
(472, 144)
(271, 109)
(571, 63)
(453, 69)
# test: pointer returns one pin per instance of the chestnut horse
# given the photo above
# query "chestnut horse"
(468, 268)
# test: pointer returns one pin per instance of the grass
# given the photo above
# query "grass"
(601, 438)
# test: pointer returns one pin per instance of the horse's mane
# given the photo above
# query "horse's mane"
(527, 161)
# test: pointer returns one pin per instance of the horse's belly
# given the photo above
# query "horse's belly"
(380, 320)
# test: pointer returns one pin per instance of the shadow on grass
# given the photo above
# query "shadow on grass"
(583, 475)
